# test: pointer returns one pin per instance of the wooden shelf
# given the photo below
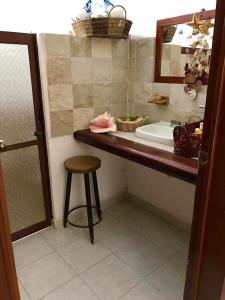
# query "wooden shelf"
(180, 167)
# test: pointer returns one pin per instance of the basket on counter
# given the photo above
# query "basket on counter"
(103, 27)
(168, 33)
(185, 142)
(129, 126)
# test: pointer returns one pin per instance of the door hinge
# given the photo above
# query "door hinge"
(202, 159)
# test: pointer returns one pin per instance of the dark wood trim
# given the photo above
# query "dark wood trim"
(20, 145)
(210, 14)
(29, 230)
(206, 267)
(181, 167)
(8, 282)
(31, 41)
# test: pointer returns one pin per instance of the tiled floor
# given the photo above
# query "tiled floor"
(136, 256)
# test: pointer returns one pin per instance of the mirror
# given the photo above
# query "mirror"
(183, 47)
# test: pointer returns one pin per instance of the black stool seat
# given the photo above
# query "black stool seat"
(84, 164)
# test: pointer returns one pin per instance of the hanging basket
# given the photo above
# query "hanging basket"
(103, 27)
(168, 33)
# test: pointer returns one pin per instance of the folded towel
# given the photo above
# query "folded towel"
(103, 123)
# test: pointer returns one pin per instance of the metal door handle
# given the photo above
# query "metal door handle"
(39, 133)
(2, 145)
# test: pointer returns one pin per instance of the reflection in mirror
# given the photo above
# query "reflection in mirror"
(183, 47)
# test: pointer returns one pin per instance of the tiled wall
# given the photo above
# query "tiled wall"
(141, 87)
(86, 77)
(89, 76)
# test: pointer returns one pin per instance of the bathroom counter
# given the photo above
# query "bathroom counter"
(163, 160)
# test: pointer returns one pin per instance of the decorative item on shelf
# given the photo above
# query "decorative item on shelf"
(161, 100)
(200, 26)
(187, 139)
(129, 123)
(108, 21)
(103, 123)
(168, 33)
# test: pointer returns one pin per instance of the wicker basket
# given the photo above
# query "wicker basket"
(103, 27)
(185, 142)
(129, 126)
(168, 33)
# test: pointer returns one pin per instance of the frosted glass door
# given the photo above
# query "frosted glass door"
(20, 158)
(17, 122)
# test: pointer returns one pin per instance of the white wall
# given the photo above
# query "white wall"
(171, 195)
(55, 16)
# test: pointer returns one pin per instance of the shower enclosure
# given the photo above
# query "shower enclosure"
(22, 135)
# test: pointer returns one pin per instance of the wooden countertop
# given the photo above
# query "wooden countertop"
(172, 164)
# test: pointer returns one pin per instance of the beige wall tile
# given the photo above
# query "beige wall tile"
(102, 93)
(119, 69)
(100, 109)
(57, 45)
(130, 92)
(162, 89)
(101, 47)
(61, 123)
(119, 92)
(80, 47)
(82, 70)
(118, 110)
(82, 117)
(102, 70)
(132, 48)
(82, 95)
(59, 71)
(166, 51)
(159, 113)
(142, 109)
(132, 70)
(165, 67)
(145, 47)
(145, 69)
(142, 91)
(120, 48)
(60, 97)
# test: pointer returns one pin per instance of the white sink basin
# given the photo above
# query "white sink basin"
(160, 132)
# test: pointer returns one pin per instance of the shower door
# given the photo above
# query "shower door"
(22, 135)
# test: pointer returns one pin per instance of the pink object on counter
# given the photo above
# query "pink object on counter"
(103, 123)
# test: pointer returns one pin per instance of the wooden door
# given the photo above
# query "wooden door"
(206, 264)
(8, 280)
(22, 134)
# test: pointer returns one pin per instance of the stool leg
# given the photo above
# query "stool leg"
(89, 208)
(67, 198)
(97, 199)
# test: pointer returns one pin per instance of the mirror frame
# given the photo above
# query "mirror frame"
(205, 15)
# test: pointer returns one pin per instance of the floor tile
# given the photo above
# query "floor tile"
(30, 249)
(142, 221)
(170, 278)
(23, 293)
(143, 291)
(110, 278)
(114, 235)
(81, 254)
(143, 256)
(170, 237)
(44, 275)
(60, 237)
(75, 289)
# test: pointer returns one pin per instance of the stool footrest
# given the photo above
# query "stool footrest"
(83, 226)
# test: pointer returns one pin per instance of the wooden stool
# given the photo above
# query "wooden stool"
(83, 165)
